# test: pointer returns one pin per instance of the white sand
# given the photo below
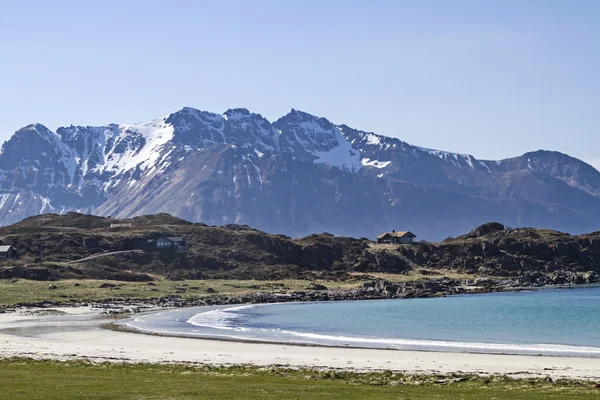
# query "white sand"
(76, 336)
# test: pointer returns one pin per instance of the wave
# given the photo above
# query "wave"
(415, 344)
(219, 319)
(225, 320)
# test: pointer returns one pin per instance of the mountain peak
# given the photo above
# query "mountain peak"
(300, 115)
(236, 113)
(35, 127)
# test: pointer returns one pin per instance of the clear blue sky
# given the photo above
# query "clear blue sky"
(490, 78)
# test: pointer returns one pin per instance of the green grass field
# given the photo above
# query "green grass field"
(29, 380)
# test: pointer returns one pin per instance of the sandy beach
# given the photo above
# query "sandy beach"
(77, 333)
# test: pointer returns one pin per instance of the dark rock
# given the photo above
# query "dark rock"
(591, 277)
(485, 229)
(90, 243)
(316, 286)
(483, 282)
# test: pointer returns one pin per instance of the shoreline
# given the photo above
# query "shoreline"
(82, 336)
(435, 346)
(120, 328)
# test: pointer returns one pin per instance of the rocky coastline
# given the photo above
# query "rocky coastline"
(378, 289)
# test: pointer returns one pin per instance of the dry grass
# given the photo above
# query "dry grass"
(26, 291)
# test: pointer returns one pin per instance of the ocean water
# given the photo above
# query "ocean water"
(562, 322)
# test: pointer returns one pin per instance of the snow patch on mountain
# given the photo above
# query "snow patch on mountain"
(149, 139)
(367, 162)
(342, 156)
(373, 139)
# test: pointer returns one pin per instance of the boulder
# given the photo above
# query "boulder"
(591, 277)
(90, 243)
(316, 286)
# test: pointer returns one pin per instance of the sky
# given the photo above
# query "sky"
(492, 79)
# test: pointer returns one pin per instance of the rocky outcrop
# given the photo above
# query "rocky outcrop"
(533, 256)
(485, 229)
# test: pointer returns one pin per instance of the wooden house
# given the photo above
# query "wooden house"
(403, 237)
(7, 252)
(161, 244)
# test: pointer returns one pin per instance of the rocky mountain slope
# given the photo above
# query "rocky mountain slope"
(298, 175)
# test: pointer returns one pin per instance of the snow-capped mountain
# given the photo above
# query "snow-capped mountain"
(298, 175)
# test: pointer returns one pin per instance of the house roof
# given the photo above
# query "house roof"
(4, 249)
(169, 238)
(397, 234)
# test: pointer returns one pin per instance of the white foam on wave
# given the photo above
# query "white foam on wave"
(219, 319)
(440, 345)
(224, 319)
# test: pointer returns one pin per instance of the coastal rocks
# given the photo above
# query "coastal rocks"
(591, 277)
(559, 277)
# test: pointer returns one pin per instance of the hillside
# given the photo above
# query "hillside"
(48, 245)
(299, 175)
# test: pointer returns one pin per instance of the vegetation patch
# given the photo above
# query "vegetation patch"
(28, 379)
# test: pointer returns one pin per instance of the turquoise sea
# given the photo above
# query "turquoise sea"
(562, 322)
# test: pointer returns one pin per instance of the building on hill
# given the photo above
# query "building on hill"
(403, 237)
(162, 243)
(7, 253)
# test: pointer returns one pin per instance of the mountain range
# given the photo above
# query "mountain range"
(299, 175)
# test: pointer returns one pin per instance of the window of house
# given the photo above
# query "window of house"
(162, 244)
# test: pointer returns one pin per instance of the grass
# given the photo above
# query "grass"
(77, 290)
(26, 291)
(28, 379)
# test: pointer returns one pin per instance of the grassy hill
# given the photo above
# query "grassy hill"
(49, 244)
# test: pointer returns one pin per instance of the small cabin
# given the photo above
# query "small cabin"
(7, 253)
(393, 237)
(167, 243)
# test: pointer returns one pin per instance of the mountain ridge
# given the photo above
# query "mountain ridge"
(297, 175)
